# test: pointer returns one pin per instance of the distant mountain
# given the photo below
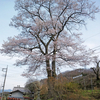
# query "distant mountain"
(6, 90)
(77, 72)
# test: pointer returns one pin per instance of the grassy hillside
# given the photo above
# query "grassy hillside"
(65, 87)
(86, 80)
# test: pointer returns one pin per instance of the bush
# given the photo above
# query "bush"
(64, 90)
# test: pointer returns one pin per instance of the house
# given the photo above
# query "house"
(22, 89)
(18, 93)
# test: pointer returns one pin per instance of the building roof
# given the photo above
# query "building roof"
(22, 89)
(16, 91)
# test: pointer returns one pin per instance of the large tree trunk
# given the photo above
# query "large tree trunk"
(51, 79)
(97, 77)
(51, 91)
(51, 72)
(98, 70)
(53, 69)
(49, 76)
(48, 68)
(54, 62)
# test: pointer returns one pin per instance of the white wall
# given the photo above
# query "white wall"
(17, 94)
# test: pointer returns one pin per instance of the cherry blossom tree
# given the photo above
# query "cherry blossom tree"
(48, 39)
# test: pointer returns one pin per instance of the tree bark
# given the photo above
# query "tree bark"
(51, 78)
(98, 70)
(51, 91)
(54, 62)
(48, 68)
(53, 69)
(97, 76)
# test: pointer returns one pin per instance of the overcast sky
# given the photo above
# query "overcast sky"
(91, 36)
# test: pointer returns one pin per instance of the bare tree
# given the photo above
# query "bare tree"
(47, 37)
(96, 70)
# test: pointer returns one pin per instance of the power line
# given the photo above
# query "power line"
(97, 53)
(91, 36)
(96, 47)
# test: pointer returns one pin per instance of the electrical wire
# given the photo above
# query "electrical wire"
(91, 36)
(95, 48)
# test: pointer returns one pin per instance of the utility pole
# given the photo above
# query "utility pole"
(4, 70)
(0, 89)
